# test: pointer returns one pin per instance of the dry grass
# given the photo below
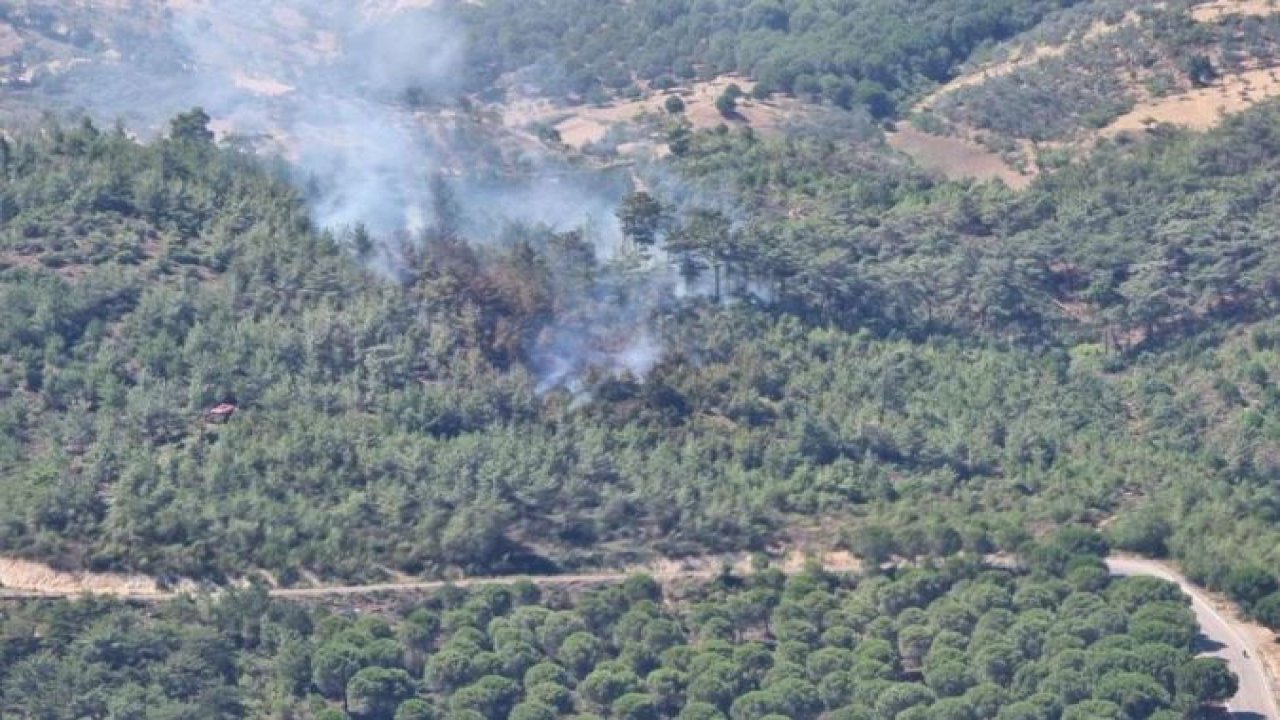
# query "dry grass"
(10, 41)
(1212, 11)
(580, 126)
(1023, 56)
(1194, 108)
(1202, 108)
(37, 577)
(955, 158)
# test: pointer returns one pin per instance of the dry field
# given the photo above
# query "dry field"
(955, 158)
(1195, 108)
(1211, 11)
(1202, 108)
(580, 126)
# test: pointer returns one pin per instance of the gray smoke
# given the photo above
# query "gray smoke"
(326, 84)
(321, 81)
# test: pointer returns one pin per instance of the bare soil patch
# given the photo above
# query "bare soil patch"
(955, 158)
(1202, 108)
(1024, 55)
(261, 84)
(583, 125)
(29, 576)
(10, 41)
(1212, 11)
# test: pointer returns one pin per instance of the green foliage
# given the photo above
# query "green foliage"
(1207, 680)
(174, 654)
(804, 47)
(1099, 76)
(378, 693)
(415, 709)
(887, 371)
(333, 666)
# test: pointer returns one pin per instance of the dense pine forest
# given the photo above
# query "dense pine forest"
(949, 641)
(869, 53)
(989, 366)
(798, 340)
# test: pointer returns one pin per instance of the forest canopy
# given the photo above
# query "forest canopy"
(954, 640)
(868, 53)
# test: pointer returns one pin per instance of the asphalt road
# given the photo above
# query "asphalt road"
(1220, 637)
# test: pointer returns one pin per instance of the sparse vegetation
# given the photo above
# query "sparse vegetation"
(1090, 82)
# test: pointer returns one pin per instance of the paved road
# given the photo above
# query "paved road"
(1256, 699)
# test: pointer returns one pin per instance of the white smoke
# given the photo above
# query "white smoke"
(326, 83)
(322, 81)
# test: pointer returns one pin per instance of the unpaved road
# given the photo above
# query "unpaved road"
(603, 578)
(1226, 640)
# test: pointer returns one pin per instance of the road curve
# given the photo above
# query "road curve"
(1255, 699)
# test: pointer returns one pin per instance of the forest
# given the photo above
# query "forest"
(802, 342)
(948, 640)
(866, 53)
(934, 351)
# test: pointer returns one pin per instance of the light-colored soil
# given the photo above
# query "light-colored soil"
(1212, 11)
(1022, 57)
(958, 157)
(580, 126)
(260, 85)
(25, 575)
(28, 579)
(10, 41)
(1202, 108)
(955, 158)
(1194, 108)
(840, 561)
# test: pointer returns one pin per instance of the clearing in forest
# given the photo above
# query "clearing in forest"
(1202, 108)
(1212, 11)
(29, 576)
(955, 158)
(966, 149)
(583, 125)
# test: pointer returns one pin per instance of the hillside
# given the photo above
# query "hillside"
(1098, 71)
(952, 642)
(404, 292)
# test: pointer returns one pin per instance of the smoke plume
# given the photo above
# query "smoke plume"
(363, 99)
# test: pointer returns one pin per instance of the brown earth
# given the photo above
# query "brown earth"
(583, 125)
(961, 157)
(26, 575)
(955, 158)
(1023, 56)
(1202, 108)
(1211, 11)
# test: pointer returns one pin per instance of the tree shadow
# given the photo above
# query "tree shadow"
(1206, 644)
(1221, 713)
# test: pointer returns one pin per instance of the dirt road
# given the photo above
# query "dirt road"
(1222, 637)
(379, 588)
